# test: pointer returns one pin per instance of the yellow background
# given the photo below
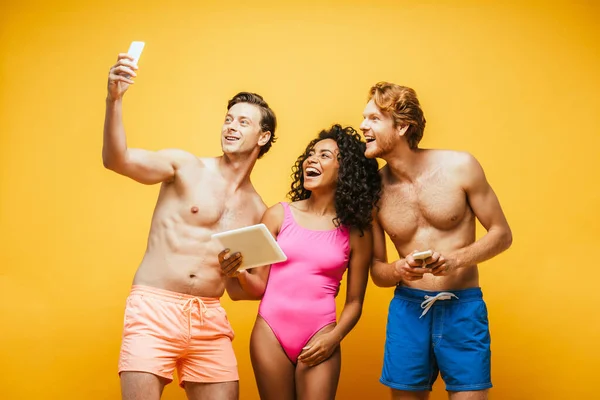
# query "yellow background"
(516, 84)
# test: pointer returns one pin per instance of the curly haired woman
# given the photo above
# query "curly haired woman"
(325, 230)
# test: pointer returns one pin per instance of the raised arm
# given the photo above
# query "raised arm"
(144, 166)
(250, 284)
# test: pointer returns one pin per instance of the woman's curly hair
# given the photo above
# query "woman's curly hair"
(358, 186)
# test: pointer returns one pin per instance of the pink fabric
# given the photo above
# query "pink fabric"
(299, 299)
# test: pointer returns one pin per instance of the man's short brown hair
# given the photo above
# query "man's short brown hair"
(268, 120)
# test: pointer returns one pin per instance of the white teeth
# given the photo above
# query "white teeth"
(312, 171)
(231, 138)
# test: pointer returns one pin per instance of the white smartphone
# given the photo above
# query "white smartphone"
(135, 50)
(422, 255)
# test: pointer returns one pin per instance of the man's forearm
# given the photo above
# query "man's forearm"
(383, 275)
(114, 147)
(494, 242)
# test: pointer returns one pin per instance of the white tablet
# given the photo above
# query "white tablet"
(255, 243)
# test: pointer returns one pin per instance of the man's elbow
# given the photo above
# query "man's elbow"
(384, 284)
(109, 162)
(377, 281)
(507, 238)
(112, 161)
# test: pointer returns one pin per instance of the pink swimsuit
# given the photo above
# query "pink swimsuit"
(300, 296)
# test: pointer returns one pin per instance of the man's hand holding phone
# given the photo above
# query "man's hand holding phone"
(121, 74)
(418, 263)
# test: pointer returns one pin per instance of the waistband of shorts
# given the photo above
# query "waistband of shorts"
(172, 297)
(418, 295)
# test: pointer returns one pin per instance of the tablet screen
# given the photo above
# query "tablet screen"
(255, 243)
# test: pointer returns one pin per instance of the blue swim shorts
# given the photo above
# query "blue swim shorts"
(437, 332)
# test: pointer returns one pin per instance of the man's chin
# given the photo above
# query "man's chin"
(372, 153)
(230, 148)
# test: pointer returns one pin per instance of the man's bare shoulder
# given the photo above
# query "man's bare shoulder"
(259, 204)
(462, 166)
(253, 201)
(210, 163)
(453, 159)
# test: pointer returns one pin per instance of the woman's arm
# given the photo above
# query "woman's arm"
(361, 249)
(250, 284)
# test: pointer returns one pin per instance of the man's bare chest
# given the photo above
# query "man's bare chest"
(211, 203)
(405, 208)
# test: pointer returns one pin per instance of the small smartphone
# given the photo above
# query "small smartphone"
(135, 50)
(422, 255)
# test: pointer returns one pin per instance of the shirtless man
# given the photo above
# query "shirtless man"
(173, 318)
(437, 319)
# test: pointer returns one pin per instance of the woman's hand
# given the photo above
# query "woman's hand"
(321, 348)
